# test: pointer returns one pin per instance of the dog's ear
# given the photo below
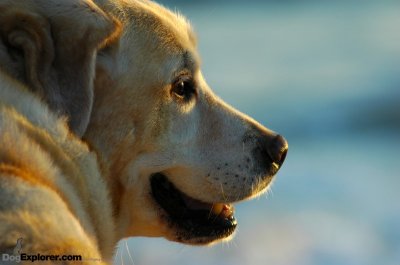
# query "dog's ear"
(51, 46)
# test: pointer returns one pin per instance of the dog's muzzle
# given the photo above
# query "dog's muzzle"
(193, 218)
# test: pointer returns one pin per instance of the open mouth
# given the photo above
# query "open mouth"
(197, 219)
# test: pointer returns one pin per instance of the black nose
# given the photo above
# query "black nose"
(277, 149)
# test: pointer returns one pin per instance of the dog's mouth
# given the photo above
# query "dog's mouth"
(198, 222)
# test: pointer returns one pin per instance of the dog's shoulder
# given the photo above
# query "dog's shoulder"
(45, 172)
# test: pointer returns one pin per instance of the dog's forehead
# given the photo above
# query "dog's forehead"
(162, 27)
(163, 39)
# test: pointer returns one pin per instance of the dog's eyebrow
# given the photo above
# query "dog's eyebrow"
(189, 61)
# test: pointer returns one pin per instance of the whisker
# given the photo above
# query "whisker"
(222, 190)
(269, 193)
(129, 252)
(236, 246)
(122, 258)
(116, 254)
(182, 249)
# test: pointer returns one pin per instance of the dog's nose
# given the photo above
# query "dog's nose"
(277, 149)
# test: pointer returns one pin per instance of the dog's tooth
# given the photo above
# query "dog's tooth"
(227, 211)
(217, 208)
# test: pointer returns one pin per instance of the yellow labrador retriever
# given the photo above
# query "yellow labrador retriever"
(173, 156)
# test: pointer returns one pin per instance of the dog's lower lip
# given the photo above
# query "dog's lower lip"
(201, 219)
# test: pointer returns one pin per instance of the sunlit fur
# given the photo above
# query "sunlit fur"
(138, 128)
(51, 192)
(69, 197)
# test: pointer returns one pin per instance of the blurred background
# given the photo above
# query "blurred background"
(326, 75)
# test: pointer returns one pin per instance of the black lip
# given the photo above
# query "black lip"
(195, 223)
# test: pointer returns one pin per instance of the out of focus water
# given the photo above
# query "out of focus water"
(327, 76)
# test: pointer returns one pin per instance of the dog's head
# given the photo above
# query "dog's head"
(176, 155)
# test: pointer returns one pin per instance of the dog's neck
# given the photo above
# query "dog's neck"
(100, 140)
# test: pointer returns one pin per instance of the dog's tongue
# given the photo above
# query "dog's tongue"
(218, 209)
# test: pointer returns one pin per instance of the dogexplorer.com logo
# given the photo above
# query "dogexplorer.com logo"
(16, 256)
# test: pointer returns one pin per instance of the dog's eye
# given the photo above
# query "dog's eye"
(183, 89)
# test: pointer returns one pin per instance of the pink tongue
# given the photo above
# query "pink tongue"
(195, 204)
(218, 209)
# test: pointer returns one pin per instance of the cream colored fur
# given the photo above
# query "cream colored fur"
(53, 192)
(138, 127)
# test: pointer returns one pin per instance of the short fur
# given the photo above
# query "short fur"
(138, 126)
(51, 192)
(209, 150)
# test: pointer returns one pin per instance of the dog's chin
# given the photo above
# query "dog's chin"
(191, 221)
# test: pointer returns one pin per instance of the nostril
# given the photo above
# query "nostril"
(277, 150)
(283, 156)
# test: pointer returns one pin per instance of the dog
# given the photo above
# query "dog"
(171, 151)
(52, 195)
(172, 156)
